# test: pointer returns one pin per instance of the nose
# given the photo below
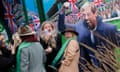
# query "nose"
(86, 17)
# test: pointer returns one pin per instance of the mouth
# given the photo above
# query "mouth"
(88, 22)
(49, 30)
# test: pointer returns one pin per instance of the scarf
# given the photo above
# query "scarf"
(22, 45)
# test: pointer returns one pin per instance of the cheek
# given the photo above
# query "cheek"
(68, 35)
(92, 18)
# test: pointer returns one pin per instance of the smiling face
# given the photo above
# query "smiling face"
(89, 14)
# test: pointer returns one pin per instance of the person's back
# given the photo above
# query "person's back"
(30, 53)
(35, 57)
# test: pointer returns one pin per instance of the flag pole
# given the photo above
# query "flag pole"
(41, 10)
(25, 11)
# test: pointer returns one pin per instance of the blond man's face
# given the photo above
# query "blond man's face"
(88, 15)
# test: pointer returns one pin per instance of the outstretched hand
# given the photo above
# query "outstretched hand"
(65, 6)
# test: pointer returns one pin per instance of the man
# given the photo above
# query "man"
(89, 25)
(95, 29)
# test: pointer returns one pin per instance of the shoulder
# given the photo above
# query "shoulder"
(35, 47)
(32, 45)
(73, 45)
(73, 42)
(35, 44)
(108, 26)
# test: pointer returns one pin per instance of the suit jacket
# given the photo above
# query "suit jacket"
(104, 29)
(32, 58)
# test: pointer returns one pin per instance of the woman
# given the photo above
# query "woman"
(7, 55)
(70, 60)
(30, 53)
(51, 42)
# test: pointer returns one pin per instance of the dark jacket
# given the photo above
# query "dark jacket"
(52, 55)
(6, 60)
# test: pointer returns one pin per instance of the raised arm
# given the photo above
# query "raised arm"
(61, 20)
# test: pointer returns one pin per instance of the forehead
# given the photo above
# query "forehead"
(47, 24)
(86, 9)
(68, 32)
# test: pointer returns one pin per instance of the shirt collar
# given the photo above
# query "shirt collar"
(94, 28)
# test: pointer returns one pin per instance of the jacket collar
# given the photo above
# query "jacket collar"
(99, 23)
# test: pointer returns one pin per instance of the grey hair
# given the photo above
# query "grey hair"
(89, 4)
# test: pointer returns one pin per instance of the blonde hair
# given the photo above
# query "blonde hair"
(47, 22)
(52, 40)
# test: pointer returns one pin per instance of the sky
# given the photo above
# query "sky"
(32, 6)
(47, 4)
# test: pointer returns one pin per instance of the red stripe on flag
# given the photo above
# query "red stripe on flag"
(8, 15)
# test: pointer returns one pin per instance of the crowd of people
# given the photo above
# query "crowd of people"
(110, 9)
(88, 46)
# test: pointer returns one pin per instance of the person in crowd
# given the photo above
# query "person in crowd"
(70, 58)
(88, 24)
(51, 41)
(7, 55)
(95, 27)
(30, 54)
(114, 12)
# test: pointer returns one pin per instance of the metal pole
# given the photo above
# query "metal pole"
(41, 10)
(25, 11)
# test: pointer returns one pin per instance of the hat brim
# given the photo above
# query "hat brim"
(70, 31)
(32, 33)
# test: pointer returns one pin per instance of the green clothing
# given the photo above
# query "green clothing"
(22, 45)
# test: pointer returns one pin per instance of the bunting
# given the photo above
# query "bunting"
(73, 6)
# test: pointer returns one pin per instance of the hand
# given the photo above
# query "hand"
(66, 5)
(12, 48)
(48, 50)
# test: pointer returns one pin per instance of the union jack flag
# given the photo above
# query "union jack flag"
(35, 23)
(9, 17)
(73, 6)
(98, 2)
